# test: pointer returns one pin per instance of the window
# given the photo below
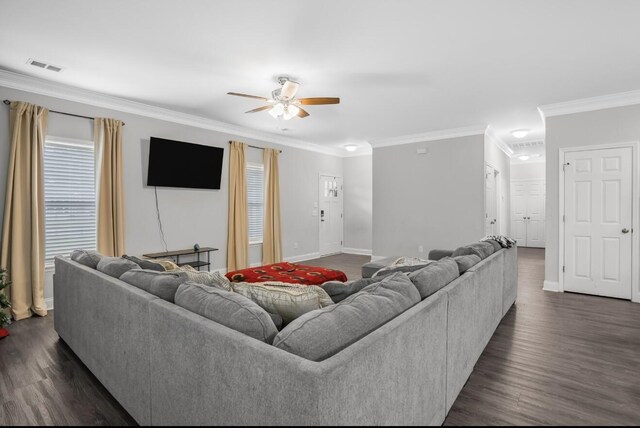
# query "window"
(255, 195)
(69, 197)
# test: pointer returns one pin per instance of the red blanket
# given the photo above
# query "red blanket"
(287, 272)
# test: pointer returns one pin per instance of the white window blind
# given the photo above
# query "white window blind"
(255, 196)
(69, 197)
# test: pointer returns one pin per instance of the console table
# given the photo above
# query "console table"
(189, 252)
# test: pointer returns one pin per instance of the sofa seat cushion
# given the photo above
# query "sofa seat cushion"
(434, 276)
(480, 249)
(227, 308)
(465, 262)
(145, 263)
(338, 291)
(287, 300)
(322, 333)
(161, 284)
(115, 266)
(88, 258)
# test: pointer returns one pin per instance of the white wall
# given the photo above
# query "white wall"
(528, 170)
(435, 200)
(188, 215)
(499, 160)
(615, 125)
(358, 204)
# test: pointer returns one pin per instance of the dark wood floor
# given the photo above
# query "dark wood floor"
(556, 358)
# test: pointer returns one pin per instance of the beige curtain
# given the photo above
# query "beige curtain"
(23, 236)
(271, 241)
(108, 138)
(238, 230)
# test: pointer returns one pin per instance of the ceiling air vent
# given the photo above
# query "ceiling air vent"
(527, 145)
(44, 65)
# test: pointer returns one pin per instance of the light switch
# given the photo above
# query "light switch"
(315, 205)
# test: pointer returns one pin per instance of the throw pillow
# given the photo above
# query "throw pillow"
(465, 262)
(168, 265)
(338, 291)
(145, 263)
(229, 309)
(212, 279)
(161, 284)
(88, 258)
(480, 249)
(434, 276)
(325, 332)
(287, 300)
(115, 266)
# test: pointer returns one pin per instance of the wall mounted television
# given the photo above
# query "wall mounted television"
(179, 164)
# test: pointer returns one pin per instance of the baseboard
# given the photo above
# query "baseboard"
(49, 303)
(358, 251)
(375, 258)
(302, 257)
(551, 286)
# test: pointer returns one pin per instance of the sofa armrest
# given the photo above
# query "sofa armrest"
(439, 254)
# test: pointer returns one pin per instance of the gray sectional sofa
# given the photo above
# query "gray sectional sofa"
(170, 366)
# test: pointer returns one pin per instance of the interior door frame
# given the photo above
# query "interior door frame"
(635, 212)
(320, 175)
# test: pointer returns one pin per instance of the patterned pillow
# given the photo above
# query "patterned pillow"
(212, 279)
(285, 299)
(168, 265)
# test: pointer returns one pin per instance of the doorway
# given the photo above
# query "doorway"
(596, 221)
(330, 202)
(492, 196)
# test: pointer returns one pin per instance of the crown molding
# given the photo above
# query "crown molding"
(491, 133)
(70, 93)
(590, 104)
(443, 134)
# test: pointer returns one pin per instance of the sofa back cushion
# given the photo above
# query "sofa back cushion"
(434, 276)
(145, 263)
(322, 333)
(496, 245)
(465, 262)
(88, 258)
(161, 284)
(287, 300)
(480, 249)
(227, 308)
(115, 266)
(338, 291)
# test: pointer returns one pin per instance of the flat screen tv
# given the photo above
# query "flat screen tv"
(179, 164)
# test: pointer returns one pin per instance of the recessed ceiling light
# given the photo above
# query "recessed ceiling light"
(351, 147)
(520, 133)
(524, 157)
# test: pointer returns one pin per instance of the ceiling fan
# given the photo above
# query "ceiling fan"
(283, 101)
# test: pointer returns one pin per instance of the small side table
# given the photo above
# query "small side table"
(195, 263)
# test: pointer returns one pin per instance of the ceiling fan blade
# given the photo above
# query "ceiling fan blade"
(289, 89)
(302, 113)
(319, 101)
(247, 96)
(255, 110)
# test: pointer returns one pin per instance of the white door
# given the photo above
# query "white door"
(490, 203)
(527, 212)
(330, 214)
(535, 213)
(597, 237)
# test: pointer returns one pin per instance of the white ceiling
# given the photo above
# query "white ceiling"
(400, 68)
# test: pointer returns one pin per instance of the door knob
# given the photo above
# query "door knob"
(625, 230)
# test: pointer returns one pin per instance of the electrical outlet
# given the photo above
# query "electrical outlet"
(420, 249)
